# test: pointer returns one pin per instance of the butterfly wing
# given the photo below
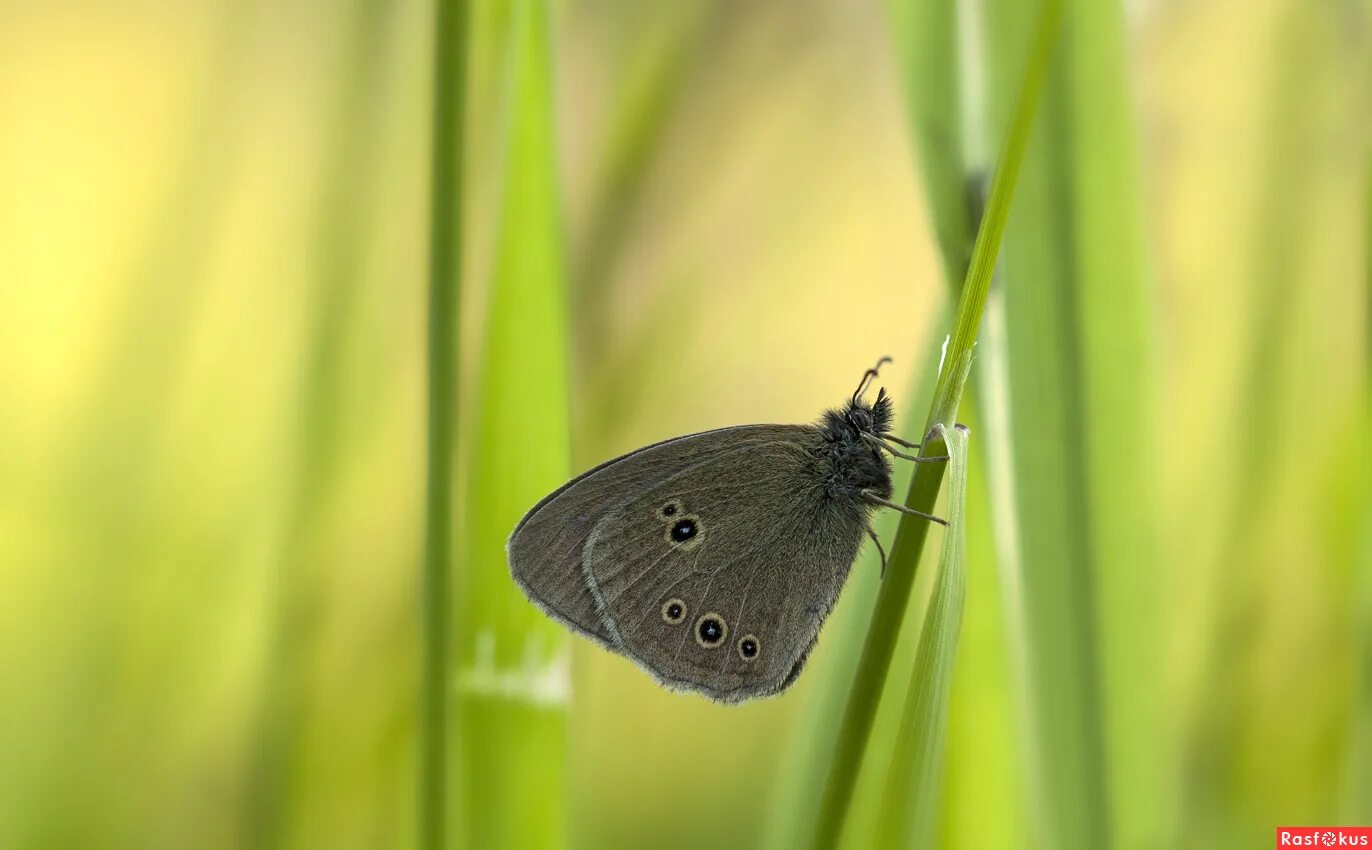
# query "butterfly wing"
(546, 548)
(718, 579)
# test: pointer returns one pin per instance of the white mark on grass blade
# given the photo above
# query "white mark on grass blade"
(540, 679)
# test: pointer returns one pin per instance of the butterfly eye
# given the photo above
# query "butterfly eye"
(673, 611)
(748, 647)
(711, 631)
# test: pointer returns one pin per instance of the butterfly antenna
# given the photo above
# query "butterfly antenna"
(867, 379)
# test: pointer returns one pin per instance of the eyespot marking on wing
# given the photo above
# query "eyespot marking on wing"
(711, 630)
(674, 611)
(686, 533)
(748, 647)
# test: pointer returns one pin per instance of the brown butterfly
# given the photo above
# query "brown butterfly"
(712, 560)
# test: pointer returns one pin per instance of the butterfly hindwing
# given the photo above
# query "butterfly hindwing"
(718, 578)
(546, 548)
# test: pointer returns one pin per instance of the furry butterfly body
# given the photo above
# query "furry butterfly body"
(712, 560)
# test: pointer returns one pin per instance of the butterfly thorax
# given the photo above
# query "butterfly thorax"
(848, 449)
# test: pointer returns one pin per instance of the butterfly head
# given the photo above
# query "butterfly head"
(851, 448)
(849, 444)
(874, 418)
(864, 418)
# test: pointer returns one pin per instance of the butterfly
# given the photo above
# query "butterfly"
(712, 560)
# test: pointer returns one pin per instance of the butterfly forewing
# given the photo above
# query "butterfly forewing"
(718, 578)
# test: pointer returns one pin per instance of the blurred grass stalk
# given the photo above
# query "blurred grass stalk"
(911, 533)
(1231, 769)
(648, 95)
(1358, 794)
(1082, 369)
(928, 42)
(348, 173)
(445, 288)
(511, 662)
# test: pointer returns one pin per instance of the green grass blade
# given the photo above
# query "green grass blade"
(1119, 396)
(985, 250)
(1081, 369)
(940, 76)
(801, 775)
(1051, 510)
(984, 725)
(911, 803)
(1049, 503)
(445, 270)
(924, 486)
(512, 661)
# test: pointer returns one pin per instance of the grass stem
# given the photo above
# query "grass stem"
(445, 269)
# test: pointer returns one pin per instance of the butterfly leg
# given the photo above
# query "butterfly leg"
(872, 534)
(892, 438)
(879, 444)
(887, 503)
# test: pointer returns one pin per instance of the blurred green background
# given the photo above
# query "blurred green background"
(679, 215)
